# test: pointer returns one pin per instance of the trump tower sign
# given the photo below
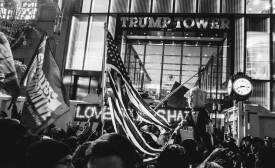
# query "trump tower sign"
(177, 22)
(93, 111)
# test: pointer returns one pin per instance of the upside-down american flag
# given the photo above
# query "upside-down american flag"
(118, 107)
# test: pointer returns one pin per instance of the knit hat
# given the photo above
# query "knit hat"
(46, 153)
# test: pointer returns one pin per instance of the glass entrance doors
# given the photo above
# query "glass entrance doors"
(156, 62)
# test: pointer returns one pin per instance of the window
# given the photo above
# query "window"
(24, 11)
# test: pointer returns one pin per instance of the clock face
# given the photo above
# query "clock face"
(242, 86)
(229, 87)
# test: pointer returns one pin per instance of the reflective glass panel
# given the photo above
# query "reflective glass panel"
(171, 67)
(209, 6)
(261, 93)
(186, 6)
(119, 6)
(86, 6)
(258, 6)
(141, 6)
(100, 6)
(77, 42)
(233, 6)
(95, 45)
(162, 6)
(257, 58)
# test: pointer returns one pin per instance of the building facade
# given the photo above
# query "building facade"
(162, 42)
(196, 42)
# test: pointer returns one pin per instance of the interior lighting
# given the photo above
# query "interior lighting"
(267, 6)
(186, 34)
(144, 33)
(256, 2)
(212, 38)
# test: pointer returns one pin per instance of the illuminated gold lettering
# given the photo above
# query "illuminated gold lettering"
(133, 22)
(202, 22)
(166, 21)
(215, 23)
(140, 21)
(224, 23)
(153, 23)
(124, 21)
(178, 20)
(188, 26)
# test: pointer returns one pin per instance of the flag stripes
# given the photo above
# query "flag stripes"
(127, 124)
(155, 117)
(118, 108)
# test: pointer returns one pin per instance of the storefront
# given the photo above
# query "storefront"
(196, 42)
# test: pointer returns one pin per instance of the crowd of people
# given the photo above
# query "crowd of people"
(87, 148)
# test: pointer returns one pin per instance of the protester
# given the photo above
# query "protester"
(173, 156)
(80, 156)
(112, 150)
(256, 143)
(192, 152)
(10, 132)
(49, 153)
(265, 157)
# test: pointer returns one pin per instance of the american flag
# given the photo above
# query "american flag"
(145, 112)
(119, 111)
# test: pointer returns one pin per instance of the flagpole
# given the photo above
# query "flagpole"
(174, 91)
(103, 81)
(33, 57)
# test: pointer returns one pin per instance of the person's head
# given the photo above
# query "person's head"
(265, 157)
(71, 142)
(268, 141)
(49, 153)
(195, 97)
(256, 143)
(173, 156)
(81, 154)
(112, 150)
(189, 145)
